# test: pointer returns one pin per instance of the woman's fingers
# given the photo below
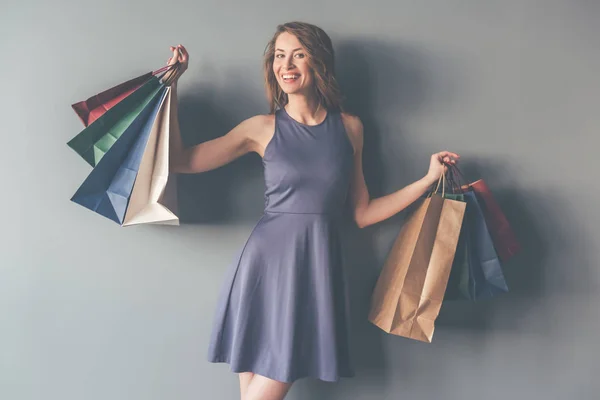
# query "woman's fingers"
(183, 55)
(184, 52)
(447, 157)
(448, 154)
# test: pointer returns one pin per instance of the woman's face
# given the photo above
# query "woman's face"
(290, 65)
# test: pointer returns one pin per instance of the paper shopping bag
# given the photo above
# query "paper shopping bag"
(410, 289)
(505, 241)
(95, 106)
(503, 237)
(459, 272)
(97, 138)
(94, 141)
(154, 197)
(486, 278)
(108, 187)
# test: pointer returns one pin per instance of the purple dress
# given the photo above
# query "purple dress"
(283, 308)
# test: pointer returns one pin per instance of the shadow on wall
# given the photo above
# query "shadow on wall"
(544, 227)
(364, 72)
(235, 191)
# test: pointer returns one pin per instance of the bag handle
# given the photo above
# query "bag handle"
(463, 183)
(442, 180)
(165, 68)
(454, 180)
(161, 72)
(171, 79)
(454, 184)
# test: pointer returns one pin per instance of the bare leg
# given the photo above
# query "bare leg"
(245, 379)
(263, 388)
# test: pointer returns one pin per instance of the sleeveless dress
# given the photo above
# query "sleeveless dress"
(283, 310)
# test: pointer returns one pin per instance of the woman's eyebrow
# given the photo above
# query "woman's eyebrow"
(299, 48)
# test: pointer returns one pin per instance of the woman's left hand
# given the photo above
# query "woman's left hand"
(437, 165)
(181, 56)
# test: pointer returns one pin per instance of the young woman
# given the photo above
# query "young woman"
(282, 311)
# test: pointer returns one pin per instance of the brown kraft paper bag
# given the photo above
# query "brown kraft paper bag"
(409, 292)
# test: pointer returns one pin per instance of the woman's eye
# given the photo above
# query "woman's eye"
(297, 55)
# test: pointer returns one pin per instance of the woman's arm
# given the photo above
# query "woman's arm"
(369, 211)
(212, 153)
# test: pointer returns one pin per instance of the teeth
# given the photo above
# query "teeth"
(290, 76)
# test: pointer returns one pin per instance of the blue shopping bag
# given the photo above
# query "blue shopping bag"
(486, 278)
(108, 187)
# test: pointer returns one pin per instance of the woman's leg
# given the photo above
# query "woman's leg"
(245, 379)
(263, 388)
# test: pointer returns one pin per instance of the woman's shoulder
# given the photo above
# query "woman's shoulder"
(260, 119)
(259, 124)
(351, 120)
(257, 131)
(354, 129)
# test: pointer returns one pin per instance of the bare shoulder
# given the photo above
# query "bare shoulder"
(257, 124)
(256, 131)
(354, 129)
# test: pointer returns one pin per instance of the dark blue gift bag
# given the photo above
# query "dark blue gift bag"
(108, 187)
(486, 278)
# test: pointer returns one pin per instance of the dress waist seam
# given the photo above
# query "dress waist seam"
(308, 213)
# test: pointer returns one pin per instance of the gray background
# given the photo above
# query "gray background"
(89, 310)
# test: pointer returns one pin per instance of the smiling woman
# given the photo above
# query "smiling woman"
(282, 312)
(306, 52)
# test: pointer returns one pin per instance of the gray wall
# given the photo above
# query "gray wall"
(89, 310)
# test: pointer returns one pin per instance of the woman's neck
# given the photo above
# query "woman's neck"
(306, 110)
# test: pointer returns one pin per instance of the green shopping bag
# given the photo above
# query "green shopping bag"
(95, 140)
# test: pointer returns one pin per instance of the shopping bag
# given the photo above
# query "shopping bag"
(108, 187)
(410, 289)
(459, 272)
(503, 236)
(95, 106)
(154, 196)
(486, 278)
(97, 138)
(458, 282)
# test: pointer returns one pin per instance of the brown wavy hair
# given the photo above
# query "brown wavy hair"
(321, 59)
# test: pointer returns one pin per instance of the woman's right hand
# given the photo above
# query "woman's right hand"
(180, 55)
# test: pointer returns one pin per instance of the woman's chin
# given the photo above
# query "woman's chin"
(292, 91)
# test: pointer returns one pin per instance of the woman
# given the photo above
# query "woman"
(282, 310)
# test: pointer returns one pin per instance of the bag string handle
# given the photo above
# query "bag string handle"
(442, 180)
(166, 68)
(463, 184)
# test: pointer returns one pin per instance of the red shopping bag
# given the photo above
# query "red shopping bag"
(503, 237)
(95, 106)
